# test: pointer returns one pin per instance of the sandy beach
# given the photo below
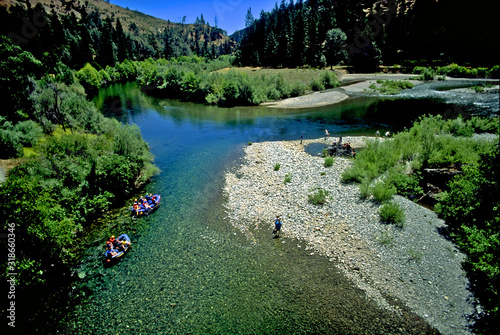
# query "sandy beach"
(414, 265)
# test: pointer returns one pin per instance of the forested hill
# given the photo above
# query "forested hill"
(372, 32)
(76, 32)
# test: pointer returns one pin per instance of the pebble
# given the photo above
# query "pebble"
(347, 231)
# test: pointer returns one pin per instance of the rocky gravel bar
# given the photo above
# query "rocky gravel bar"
(415, 265)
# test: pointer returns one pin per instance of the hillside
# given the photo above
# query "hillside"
(366, 34)
(150, 36)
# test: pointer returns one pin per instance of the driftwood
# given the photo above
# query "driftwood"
(443, 171)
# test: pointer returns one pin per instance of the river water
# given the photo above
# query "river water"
(188, 271)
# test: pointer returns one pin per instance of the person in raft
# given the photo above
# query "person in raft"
(277, 226)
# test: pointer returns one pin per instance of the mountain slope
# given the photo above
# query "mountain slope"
(97, 25)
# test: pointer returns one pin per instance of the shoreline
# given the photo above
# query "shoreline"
(415, 265)
(355, 84)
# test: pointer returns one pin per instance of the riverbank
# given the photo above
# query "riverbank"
(415, 266)
(351, 83)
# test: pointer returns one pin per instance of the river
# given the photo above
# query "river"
(188, 271)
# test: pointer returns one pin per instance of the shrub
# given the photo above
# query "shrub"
(89, 77)
(297, 89)
(29, 132)
(406, 185)
(328, 161)
(494, 72)
(277, 167)
(316, 85)
(288, 178)
(425, 73)
(329, 79)
(383, 191)
(392, 213)
(365, 189)
(10, 146)
(318, 198)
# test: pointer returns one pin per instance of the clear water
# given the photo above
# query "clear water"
(189, 272)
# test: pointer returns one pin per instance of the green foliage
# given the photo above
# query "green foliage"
(277, 167)
(425, 73)
(406, 185)
(329, 79)
(391, 212)
(17, 68)
(29, 132)
(335, 48)
(319, 197)
(10, 145)
(13, 138)
(89, 77)
(471, 208)
(391, 87)
(365, 189)
(328, 161)
(288, 178)
(383, 191)
(455, 70)
(470, 204)
(316, 85)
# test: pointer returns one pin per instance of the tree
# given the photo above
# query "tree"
(335, 51)
(249, 20)
(16, 68)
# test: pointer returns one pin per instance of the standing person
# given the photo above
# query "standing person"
(327, 133)
(277, 226)
(301, 137)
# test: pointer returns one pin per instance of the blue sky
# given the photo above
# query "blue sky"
(230, 13)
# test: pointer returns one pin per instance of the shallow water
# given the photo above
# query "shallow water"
(188, 270)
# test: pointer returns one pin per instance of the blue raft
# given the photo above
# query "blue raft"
(139, 209)
(120, 247)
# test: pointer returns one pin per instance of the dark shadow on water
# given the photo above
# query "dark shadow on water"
(315, 149)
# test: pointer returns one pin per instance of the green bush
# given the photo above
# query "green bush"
(365, 189)
(10, 144)
(328, 161)
(383, 191)
(288, 178)
(318, 198)
(297, 89)
(392, 213)
(277, 167)
(29, 132)
(328, 79)
(406, 185)
(89, 77)
(316, 85)
(424, 72)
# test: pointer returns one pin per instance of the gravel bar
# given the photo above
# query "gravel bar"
(415, 266)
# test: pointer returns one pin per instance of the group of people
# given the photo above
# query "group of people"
(340, 148)
(114, 246)
(144, 203)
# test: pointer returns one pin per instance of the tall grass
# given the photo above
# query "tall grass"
(392, 213)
